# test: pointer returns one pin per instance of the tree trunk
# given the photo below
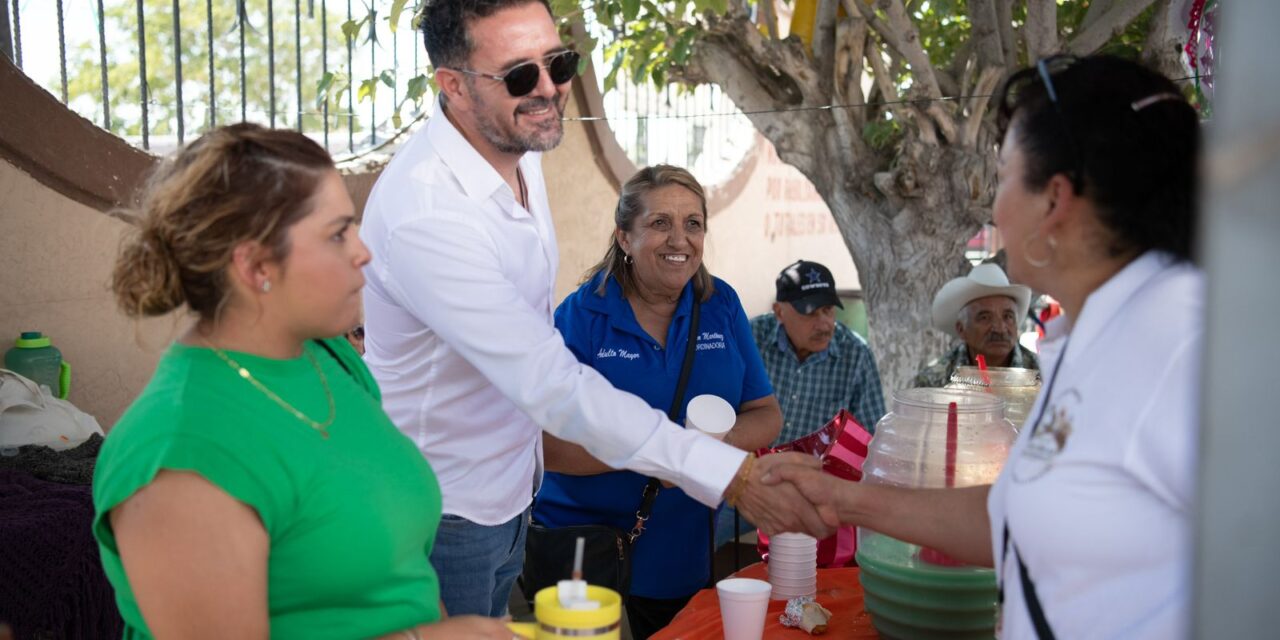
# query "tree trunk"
(908, 243)
(905, 213)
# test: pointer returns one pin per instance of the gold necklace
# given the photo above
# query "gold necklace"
(322, 427)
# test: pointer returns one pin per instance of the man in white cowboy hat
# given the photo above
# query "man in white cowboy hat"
(983, 310)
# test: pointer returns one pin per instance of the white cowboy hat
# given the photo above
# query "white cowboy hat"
(984, 280)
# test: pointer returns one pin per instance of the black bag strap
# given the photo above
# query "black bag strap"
(1034, 608)
(334, 355)
(651, 488)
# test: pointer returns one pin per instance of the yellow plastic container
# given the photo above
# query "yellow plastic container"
(557, 623)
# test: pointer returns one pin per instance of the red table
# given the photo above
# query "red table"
(838, 590)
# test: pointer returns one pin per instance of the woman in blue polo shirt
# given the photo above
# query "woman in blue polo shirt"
(630, 321)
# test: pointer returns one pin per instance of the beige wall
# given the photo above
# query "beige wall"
(55, 261)
(582, 203)
(776, 219)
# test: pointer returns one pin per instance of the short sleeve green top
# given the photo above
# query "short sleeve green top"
(351, 518)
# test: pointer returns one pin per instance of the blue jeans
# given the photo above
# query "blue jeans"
(478, 564)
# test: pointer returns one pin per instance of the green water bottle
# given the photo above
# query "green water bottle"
(34, 357)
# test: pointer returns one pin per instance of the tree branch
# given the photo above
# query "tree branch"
(987, 82)
(1107, 26)
(1041, 28)
(1096, 9)
(770, 17)
(1163, 47)
(758, 72)
(824, 42)
(911, 49)
(894, 46)
(903, 112)
(851, 38)
(943, 119)
(985, 34)
(1004, 20)
(855, 7)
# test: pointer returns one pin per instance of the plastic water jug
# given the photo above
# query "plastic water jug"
(933, 438)
(34, 357)
(1018, 387)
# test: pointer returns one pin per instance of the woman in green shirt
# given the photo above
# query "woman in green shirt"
(256, 488)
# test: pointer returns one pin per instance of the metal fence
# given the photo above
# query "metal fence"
(158, 72)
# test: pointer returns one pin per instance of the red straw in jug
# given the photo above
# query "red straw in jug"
(982, 368)
(952, 428)
(929, 554)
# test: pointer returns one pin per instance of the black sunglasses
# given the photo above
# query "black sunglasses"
(523, 78)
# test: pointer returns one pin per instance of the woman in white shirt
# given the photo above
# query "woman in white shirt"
(1089, 524)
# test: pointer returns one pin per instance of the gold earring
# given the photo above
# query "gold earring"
(1039, 263)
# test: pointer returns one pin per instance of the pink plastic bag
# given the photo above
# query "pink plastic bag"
(842, 446)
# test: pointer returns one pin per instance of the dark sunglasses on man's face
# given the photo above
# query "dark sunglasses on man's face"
(523, 78)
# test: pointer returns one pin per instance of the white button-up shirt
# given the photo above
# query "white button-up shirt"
(1099, 497)
(459, 334)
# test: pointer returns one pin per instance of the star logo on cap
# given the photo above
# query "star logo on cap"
(814, 276)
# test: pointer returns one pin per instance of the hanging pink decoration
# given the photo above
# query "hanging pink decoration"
(1200, 50)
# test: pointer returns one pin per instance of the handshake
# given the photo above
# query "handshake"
(786, 492)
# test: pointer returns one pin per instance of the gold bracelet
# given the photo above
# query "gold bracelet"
(743, 478)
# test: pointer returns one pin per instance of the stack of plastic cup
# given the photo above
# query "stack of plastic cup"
(793, 565)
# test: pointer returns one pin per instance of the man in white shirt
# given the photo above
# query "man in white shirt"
(458, 311)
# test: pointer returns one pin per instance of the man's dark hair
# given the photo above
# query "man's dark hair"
(444, 26)
(1124, 135)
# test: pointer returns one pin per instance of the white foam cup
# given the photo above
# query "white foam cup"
(711, 415)
(743, 605)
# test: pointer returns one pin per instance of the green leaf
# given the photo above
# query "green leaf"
(564, 7)
(322, 88)
(388, 77)
(331, 84)
(368, 89)
(397, 6)
(417, 89)
(611, 80)
(684, 46)
(351, 29)
(630, 9)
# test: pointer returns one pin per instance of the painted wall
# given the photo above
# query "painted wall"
(776, 219)
(582, 203)
(56, 257)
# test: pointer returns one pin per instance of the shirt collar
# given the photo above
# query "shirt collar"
(615, 305)
(478, 178)
(1107, 300)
